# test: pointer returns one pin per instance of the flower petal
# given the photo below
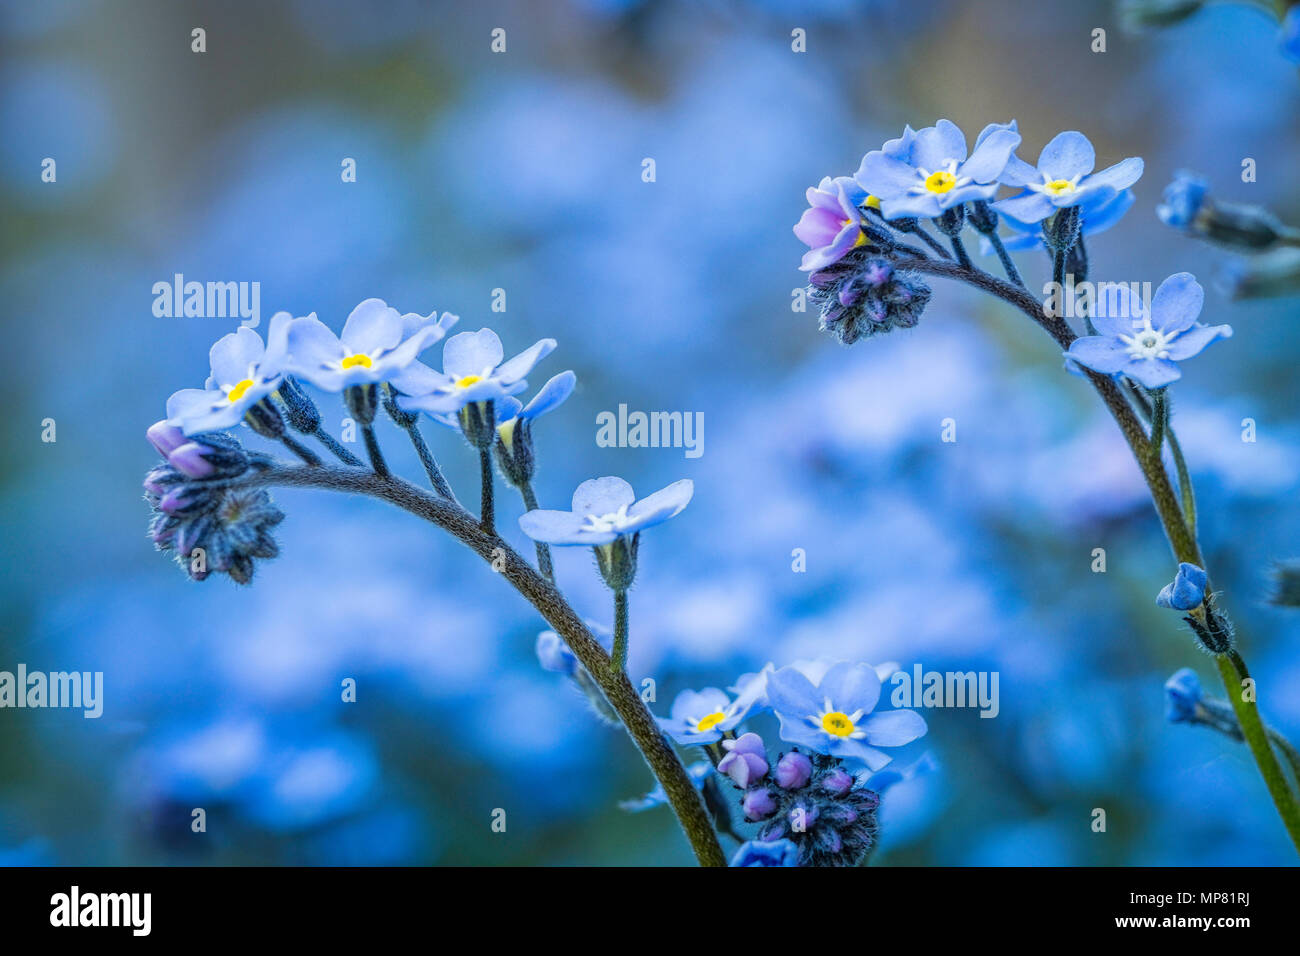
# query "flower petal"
(1194, 340)
(892, 728)
(1177, 303)
(232, 356)
(991, 156)
(1100, 353)
(551, 395)
(1153, 373)
(602, 496)
(851, 687)
(372, 327)
(471, 353)
(663, 504)
(519, 366)
(1068, 155)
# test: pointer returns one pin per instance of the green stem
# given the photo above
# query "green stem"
(487, 514)
(372, 449)
(618, 659)
(1288, 751)
(551, 604)
(543, 550)
(1159, 419)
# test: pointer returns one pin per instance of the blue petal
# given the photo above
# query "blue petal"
(372, 327)
(1195, 339)
(602, 496)
(851, 687)
(1028, 207)
(936, 145)
(885, 177)
(1017, 172)
(232, 356)
(892, 728)
(922, 206)
(471, 353)
(663, 504)
(551, 395)
(522, 364)
(1120, 176)
(560, 528)
(1177, 303)
(990, 156)
(1153, 373)
(1099, 353)
(1116, 310)
(792, 695)
(1068, 155)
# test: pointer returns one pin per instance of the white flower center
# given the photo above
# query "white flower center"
(615, 521)
(1148, 343)
(1056, 187)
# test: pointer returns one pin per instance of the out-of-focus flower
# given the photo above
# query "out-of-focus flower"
(1138, 15)
(832, 225)
(932, 172)
(243, 372)
(1063, 178)
(766, 853)
(745, 761)
(1188, 207)
(1183, 697)
(834, 716)
(1186, 591)
(1145, 344)
(700, 717)
(1290, 34)
(377, 344)
(699, 772)
(1272, 274)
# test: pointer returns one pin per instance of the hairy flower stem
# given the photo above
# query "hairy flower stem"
(563, 619)
(336, 449)
(1159, 419)
(959, 250)
(1182, 541)
(618, 659)
(427, 460)
(299, 449)
(1013, 274)
(543, 550)
(372, 449)
(487, 503)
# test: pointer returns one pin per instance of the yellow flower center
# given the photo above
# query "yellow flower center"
(837, 724)
(940, 182)
(468, 380)
(352, 361)
(872, 202)
(711, 721)
(236, 393)
(1058, 186)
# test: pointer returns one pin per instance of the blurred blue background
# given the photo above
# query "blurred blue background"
(522, 171)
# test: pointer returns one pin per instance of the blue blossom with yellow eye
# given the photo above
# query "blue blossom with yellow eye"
(1145, 344)
(834, 715)
(700, 717)
(473, 371)
(1063, 177)
(377, 344)
(604, 510)
(929, 171)
(243, 372)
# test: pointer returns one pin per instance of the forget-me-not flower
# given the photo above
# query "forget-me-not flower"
(834, 715)
(511, 412)
(1145, 344)
(766, 853)
(604, 510)
(1186, 591)
(832, 225)
(1063, 177)
(1183, 697)
(700, 717)
(473, 371)
(929, 171)
(377, 344)
(1183, 199)
(243, 372)
(1290, 34)
(1029, 235)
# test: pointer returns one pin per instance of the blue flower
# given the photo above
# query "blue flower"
(1183, 697)
(699, 771)
(766, 853)
(1187, 590)
(1183, 199)
(1145, 344)
(510, 412)
(832, 225)
(377, 344)
(928, 171)
(472, 371)
(700, 717)
(834, 714)
(1098, 218)
(243, 372)
(604, 510)
(1063, 177)
(1290, 35)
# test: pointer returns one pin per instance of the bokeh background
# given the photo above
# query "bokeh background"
(522, 171)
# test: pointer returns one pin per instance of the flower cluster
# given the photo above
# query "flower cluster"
(819, 797)
(858, 227)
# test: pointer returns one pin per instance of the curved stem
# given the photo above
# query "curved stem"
(372, 449)
(336, 449)
(1008, 265)
(427, 460)
(618, 690)
(1232, 668)
(618, 659)
(487, 504)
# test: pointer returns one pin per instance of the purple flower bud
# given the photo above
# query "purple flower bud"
(743, 767)
(793, 771)
(838, 782)
(747, 744)
(177, 499)
(165, 437)
(758, 804)
(191, 458)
